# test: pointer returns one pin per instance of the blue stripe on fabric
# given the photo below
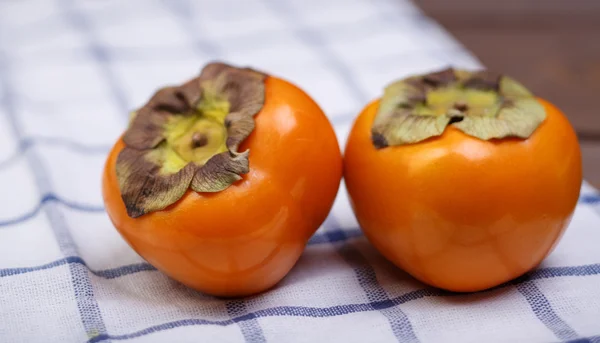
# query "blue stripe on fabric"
(64, 142)
(182, 10)
(333, 236)
(87, 305)
(251, 329)
(52, 25)
(28, 143)
(98, 52)
(114, 273)
(106, 273)
(592, 339)
(552, 272)
(291, 311)
(313, 40)
(590, 199)
(49, 198)
(24, 270)
(399, 322)
(320, 238)
(543, 310)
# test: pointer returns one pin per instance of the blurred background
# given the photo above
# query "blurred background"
(339, 51)
(552, 46)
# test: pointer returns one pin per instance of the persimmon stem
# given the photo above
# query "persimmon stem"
(199, 140)
(461, 106)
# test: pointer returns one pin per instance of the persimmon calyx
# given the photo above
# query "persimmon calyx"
(481, 104)
(188, 137)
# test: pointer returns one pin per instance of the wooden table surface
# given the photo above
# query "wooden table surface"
(552, 46)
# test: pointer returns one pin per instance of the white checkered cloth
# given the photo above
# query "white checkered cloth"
(70, 72)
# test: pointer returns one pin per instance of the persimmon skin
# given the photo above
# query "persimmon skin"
(245, 239)
(460, 213)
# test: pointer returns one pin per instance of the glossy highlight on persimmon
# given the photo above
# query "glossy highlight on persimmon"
(244, 238)
(456, 211)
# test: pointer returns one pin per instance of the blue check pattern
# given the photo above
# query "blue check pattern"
(70, 72)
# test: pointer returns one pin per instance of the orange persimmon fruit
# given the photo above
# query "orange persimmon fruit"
(220, 182)
(463, 179)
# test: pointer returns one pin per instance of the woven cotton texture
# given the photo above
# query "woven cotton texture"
(70, 71)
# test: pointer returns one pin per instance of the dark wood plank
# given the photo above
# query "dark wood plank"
(591, 162)
(535, 14)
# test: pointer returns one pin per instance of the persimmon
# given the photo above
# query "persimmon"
(220, 182)
(464, 179)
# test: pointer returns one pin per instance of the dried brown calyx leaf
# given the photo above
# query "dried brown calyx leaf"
(188, 137)
(481, 104)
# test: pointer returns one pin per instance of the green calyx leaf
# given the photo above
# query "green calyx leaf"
(188, 137)
(481, 104)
